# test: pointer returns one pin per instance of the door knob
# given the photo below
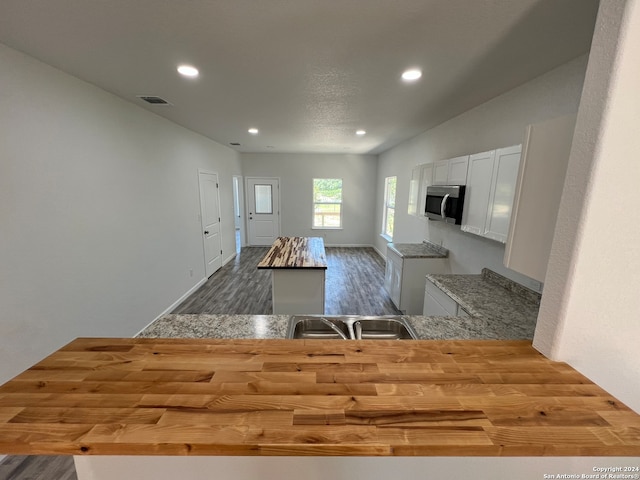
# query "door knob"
(206, 232)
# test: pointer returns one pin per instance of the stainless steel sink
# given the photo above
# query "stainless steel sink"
(350, 327)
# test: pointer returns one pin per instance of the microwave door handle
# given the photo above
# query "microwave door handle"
(443, 206)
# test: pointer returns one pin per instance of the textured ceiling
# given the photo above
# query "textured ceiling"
(307, 73)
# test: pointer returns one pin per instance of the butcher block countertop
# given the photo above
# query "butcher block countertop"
(295, 252)
(159, 396)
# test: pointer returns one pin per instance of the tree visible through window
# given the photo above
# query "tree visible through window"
(389, 206)
(327, 203)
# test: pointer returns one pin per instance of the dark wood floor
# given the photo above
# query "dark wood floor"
(354, 285)
(37, 467)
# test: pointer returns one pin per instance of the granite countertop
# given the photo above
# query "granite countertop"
(275, 327)
(496, 304)
(217, 326)
(419, 250)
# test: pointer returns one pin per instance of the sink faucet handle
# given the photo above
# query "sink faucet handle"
(358, 328)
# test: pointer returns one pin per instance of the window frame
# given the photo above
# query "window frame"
(386, 207)
(314, 203)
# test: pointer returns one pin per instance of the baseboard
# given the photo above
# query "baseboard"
(176, 303)
(379, 252)
(349, 245)
(229, 258)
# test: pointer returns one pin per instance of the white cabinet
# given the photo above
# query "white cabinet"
(451, 172)
(457, 174)
(491, 183)
(537, 197)
(441, 172)
(393, 276)
(439, 304)
(414, 191)
(421, 178)
(404, 279)
(503, 188)
(478, 192)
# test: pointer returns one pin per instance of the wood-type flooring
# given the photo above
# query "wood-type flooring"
(38, 467)
(354, 285)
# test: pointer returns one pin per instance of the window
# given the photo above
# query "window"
(327, 203)
(389, 206)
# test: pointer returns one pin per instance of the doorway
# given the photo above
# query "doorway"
(210, 215)
(238, 209)
(263, 210)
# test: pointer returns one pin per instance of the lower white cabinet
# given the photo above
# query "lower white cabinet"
(404, 279)
(437, 303)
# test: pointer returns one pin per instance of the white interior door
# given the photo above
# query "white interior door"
(210, 214)
(263, 210)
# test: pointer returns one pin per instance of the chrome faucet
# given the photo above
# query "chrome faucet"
(333, 327)
(358, 328)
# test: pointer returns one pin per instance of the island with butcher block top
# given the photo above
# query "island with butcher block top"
(298, 266)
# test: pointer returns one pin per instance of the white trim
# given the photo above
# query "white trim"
(379, 252)
(228, 259)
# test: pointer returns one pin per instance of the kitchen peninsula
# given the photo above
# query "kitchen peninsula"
(298, 267)
(339, 409)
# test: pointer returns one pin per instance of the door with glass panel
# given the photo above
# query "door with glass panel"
(263, 210)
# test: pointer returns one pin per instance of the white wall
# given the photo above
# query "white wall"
(99, 210)
(498, 123)
(296, 173)
(590, 313)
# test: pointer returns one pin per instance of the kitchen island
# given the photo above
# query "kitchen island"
(298, 266)
(343, 409)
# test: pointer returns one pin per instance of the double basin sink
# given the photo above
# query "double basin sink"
(354, 327)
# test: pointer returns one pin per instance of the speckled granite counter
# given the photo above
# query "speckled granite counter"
(497, 305)
(275, 327)
(217, 326)
(419, 250)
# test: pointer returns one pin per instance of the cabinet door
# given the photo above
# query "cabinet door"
(478, 191)
(426, 179)
(414, 191)
(438, 303)
(441, 172)
(393, 277)
(540, 183)
(457, 172)
(503, 186)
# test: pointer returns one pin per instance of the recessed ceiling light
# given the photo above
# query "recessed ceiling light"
(361, 132)
(188, 71)
(253, 131)
(411, 75)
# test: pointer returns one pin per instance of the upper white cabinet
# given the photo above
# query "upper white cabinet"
(537, 197)
(414, 190)
(478, 192)
(457, 174)
(421, 178)
(503, 189)
(491, 184)
(451, 172)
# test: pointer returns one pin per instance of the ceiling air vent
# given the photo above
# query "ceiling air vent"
(153, 100)
(235, 144)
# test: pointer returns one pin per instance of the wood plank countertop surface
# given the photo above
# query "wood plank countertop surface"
(152, 396)
(295, 252)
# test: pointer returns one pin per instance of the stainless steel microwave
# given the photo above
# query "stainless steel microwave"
(445, 202)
